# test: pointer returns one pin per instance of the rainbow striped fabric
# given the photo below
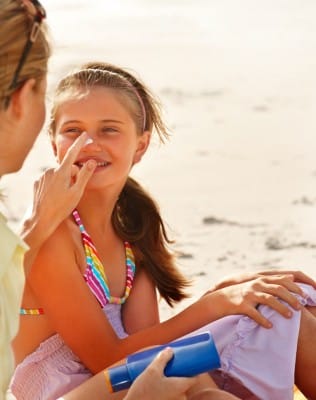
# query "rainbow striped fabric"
(95, 275)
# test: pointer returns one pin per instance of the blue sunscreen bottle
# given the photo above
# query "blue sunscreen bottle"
(192, 355)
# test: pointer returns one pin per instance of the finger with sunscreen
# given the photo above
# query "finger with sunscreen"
(74, 150)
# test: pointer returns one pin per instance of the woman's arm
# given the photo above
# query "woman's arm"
(150, 385)
(94, 389)
(153, 385)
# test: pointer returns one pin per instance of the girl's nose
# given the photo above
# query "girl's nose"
(90, 142)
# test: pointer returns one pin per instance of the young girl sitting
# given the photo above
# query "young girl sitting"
(90, 297)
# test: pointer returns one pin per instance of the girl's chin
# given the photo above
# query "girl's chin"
(100, 169)
(97, 181)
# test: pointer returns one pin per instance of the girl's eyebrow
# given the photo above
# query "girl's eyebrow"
(112, 120)
(72, 121)
(75, 121)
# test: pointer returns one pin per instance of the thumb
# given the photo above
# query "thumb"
(163, 358)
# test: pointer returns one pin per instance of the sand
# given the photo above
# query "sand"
(236, 183)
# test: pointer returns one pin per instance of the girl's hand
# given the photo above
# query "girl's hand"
(152, 384)
(56, 194)
(298, 276)
(244, 298)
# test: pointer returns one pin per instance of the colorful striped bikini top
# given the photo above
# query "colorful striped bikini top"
(95, 275)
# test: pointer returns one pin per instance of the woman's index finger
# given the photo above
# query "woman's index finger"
(74, 150)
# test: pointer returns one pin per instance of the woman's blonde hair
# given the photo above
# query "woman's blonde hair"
(16, 24)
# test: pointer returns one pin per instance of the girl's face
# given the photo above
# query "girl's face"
(113, 142)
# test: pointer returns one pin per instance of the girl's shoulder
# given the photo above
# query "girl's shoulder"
(66, 235)
(58, 254)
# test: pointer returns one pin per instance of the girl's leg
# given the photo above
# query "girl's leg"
(305, 368)
(312, 310)
(213, 394)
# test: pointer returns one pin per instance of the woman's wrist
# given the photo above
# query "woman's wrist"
(35, 231)
(31, 232)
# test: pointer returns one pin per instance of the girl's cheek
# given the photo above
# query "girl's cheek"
(62, 145)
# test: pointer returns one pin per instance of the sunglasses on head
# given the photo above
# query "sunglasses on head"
(35, 9)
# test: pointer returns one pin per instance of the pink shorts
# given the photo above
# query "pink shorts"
(49, 372)
(53, 369)
(263, 360)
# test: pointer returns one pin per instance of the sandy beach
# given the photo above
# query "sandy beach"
(237, 181)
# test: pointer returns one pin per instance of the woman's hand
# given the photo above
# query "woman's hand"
(245, 297)
(56, 194)
(152, 384)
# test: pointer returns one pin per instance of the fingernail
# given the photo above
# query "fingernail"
(91, 164)
(167, 350)
(298, 306)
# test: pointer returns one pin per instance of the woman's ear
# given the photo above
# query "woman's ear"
(21, 99)
(143, 143)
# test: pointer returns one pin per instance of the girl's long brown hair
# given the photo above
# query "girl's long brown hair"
(137, 219)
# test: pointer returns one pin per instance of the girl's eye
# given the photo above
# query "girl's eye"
(73, 130)
(106, 130)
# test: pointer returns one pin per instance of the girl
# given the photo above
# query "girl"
(96, 301)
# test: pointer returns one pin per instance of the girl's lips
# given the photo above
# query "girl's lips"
(80, 164)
